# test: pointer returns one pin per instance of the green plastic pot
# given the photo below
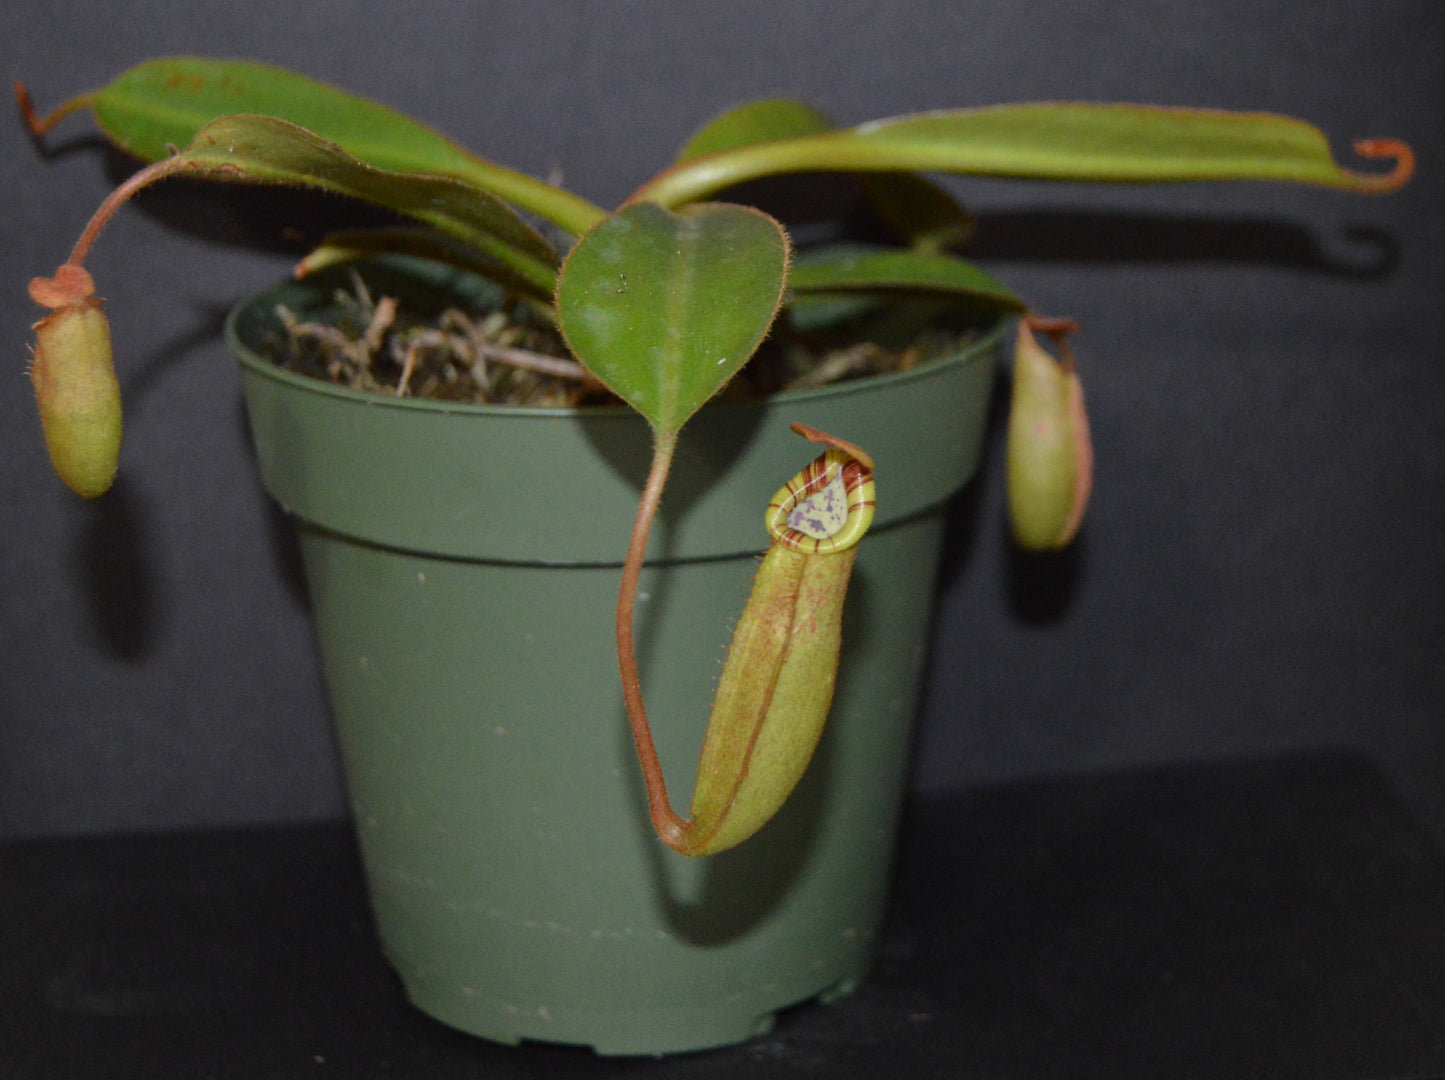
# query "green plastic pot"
(463, 565)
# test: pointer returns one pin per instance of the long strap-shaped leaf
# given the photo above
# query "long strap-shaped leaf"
(917, 209)
(1053, 141)
(846, 269)
(163, 103)
(264, 150)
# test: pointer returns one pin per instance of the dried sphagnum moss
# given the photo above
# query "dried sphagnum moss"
(499, 357)
(512, 356)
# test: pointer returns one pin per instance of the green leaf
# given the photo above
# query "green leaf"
(918, 210)
(1116, 143)
(348, 246)
(756, 122)
(1113, 143)
(848, 269)
(264, 150)
(163, 103)
(817, 311)
(665, 307)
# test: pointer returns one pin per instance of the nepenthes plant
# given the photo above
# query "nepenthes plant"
(664, 300)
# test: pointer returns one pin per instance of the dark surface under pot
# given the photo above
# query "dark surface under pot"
(1267, 918)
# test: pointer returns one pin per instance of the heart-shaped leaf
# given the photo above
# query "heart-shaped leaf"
(664, 307)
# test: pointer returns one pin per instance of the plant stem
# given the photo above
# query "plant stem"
(558, 205)
(149, 175)
(669, 826)
(702, 177)
(39, 125)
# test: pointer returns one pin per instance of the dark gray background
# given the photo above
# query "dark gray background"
(1262, 570)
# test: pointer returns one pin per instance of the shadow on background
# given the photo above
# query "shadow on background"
(1041, 585)
(1106, 237)
(119, 584)
(274, 220)
(118, 579)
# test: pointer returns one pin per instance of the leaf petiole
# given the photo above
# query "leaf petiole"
(669, 826)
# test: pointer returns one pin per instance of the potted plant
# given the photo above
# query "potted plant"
(482, 573)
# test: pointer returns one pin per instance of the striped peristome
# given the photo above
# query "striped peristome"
(825, 508)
